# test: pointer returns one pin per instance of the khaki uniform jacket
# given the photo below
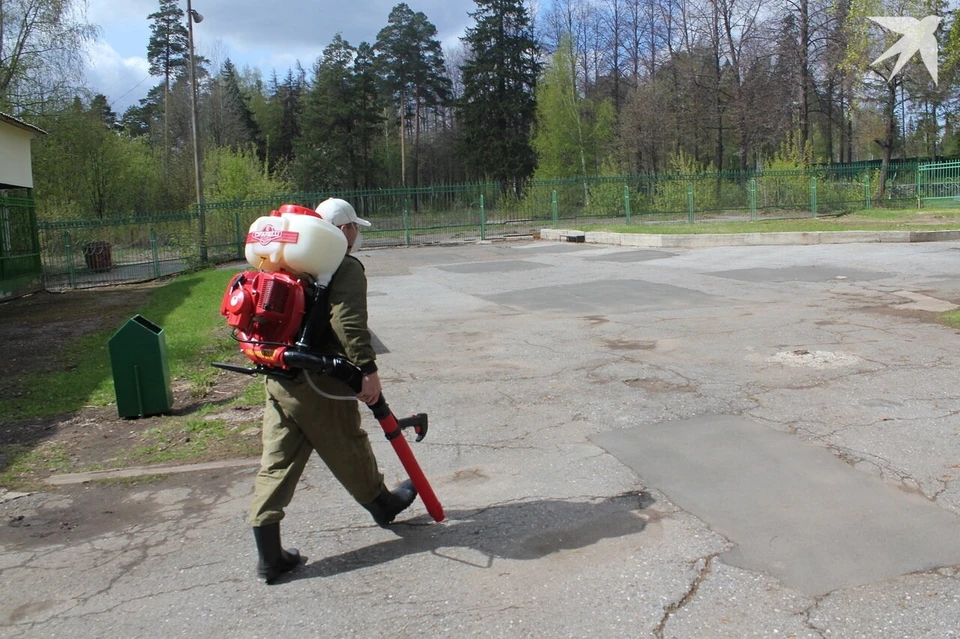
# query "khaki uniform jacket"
(349, 334)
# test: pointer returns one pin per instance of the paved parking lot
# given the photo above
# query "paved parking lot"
(752, 441)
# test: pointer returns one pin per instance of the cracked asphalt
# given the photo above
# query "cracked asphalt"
(521, 352)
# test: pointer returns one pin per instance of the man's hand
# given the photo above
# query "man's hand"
(370, 392)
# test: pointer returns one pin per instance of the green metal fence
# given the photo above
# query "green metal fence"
(20, 268)
(92, 253)
(938, 184)
(86, 253)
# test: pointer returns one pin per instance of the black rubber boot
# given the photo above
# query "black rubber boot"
(274, 560)
(389, 504)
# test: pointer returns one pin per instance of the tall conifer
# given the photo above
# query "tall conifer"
(498, 106)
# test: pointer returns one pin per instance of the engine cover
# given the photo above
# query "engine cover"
(267, 309)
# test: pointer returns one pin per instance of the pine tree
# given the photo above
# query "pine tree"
(167, 49)
(340, 120)
(101, 106)
(369, 105)
(411, 62)
(498, 107)
(284, 107)
(233, 123)
(324, 152)
(167, 52)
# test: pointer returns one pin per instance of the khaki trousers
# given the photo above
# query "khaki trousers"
(298, 420)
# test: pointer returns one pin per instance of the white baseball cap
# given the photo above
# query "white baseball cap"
(339, 212)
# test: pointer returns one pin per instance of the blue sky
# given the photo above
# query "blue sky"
(267, 36)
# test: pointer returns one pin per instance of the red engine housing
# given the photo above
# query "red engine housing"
(267, 309)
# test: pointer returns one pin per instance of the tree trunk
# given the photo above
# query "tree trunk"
(804, 73)
(403, 146)
(828, 134)
(890, 112)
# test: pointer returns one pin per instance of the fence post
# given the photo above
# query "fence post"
(241, 240)
(626, 202)
(919, 186)
(919, 180)
(813, 197)
(555, 210)
(690, 203)
(406, 219)
(483, 219)
(153, 252)
(68, 248)
(866, 192)
(202, 217)
(753, 199)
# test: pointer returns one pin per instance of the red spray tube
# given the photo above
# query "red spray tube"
(393, 429)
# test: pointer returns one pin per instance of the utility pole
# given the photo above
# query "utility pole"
(194, 16)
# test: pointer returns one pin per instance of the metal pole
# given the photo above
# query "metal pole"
(483, 219)
(626, 202)
(154, 253)
(813, 197)
(197, 157)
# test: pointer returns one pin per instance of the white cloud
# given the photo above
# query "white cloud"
(124, 80)
(266, 36)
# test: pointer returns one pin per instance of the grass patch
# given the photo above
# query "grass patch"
(867, 220)
(188, 311)
(198, 438)
(951, 319)
(26, 462)
(252, 395)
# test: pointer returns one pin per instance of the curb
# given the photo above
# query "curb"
(708, 240)
(139, 471)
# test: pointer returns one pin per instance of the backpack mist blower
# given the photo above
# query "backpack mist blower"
(277, 310)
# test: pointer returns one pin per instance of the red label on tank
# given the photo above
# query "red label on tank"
(268, 234)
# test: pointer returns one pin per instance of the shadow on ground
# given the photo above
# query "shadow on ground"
(523, 530)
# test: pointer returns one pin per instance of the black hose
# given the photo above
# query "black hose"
(330, 365)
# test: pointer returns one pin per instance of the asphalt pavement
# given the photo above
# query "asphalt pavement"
(728, 441)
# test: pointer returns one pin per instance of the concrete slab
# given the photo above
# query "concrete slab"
(630, 256)
(794, 510)
(504, 266)
(547, 247)
(921, 302)
(801, 274)
(603, 296)
(10, 495)
(707, 240)
(140, 471)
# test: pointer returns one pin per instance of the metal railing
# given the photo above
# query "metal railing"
(20, 267)
(87, 253)
(82, 253)
(938, 184)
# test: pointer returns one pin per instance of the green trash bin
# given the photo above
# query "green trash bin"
(141, 377)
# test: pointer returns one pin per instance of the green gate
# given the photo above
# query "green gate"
(20, 269)
(938, 184)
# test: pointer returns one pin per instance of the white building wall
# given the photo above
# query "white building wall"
(15, 164)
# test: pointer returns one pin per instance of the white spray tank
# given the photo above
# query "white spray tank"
(297, 240)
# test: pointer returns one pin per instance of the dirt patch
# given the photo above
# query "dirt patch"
(79, 513)
(37, 327)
